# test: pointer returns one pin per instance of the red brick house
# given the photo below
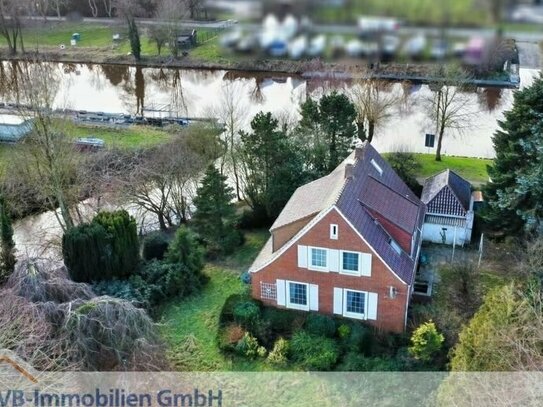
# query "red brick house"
(346, 244)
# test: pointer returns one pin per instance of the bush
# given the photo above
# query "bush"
(247, 314)
(314, 352)
(344, 331)
(166, 280)
(122, 289)
(320, 325)
(230, 336)
(356, 362)
(426, 341)
(184, 249)
(124, 240)
(155, 246)
(248, 346)
(360, 339)
(106, 248)
(278, 355)
(227, 311)
(283, 322)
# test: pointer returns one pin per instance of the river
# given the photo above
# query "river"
(197, 93)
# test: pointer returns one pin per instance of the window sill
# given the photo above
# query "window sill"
(354, 315)
(321, 269)
(298, 307)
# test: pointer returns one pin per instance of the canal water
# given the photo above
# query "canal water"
(198, 93)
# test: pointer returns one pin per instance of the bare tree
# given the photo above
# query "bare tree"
(11, 13)
(374, 101)
(46, 159)
(163, 182)
(449, 107)
(232, 112)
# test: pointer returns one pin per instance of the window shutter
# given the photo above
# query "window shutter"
(302, 256)
(372, 306)
(365, 264)
(313, 297)
(281, 292)
(338, 301)
(333, 260)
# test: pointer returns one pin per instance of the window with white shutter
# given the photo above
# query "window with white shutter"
(281, 294)
(302, 256)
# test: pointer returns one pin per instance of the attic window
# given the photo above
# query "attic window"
(333, 232)
(395, 246)
(376, 166)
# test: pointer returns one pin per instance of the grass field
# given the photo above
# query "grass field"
(473, 169)
(97, 37)
(130, 137)
(190, 325)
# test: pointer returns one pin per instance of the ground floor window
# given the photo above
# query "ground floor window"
(268, 291)
(355, 302)
(297, 295)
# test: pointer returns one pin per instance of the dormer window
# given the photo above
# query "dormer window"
(376, 166)
(395, 246)
(334, 232)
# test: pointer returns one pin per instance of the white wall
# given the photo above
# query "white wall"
(431, 232)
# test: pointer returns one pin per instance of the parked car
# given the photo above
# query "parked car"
(278, 48)
(297, 47)
(316, 46)
(439, 49)
(414, 47)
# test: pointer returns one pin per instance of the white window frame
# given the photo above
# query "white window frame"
(355, 315)
(334, 231)
(376, 166)
(358, 272)
(395, 246)
(290, 305)
(310, 266)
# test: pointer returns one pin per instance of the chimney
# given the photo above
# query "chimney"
(359, 150)
(349, 171)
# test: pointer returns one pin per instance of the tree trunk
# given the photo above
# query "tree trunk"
(439, 142)
(371, 130)
(161, 222)
(361, 130)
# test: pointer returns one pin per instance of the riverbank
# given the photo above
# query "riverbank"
(310, 69)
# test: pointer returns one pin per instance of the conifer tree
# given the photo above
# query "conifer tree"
(215, 216)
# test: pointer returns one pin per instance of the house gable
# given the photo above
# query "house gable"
(380, 282)
(445, 202)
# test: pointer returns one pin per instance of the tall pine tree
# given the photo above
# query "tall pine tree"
(215, 215)
(326, 132)
(515, 193)
(272, 167)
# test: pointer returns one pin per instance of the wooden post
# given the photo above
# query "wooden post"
(454, 244)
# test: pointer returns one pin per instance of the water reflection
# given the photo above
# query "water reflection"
(194, 93)
(490, 99)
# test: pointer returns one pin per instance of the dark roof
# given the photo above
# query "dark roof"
(384, 192)
(447, 193)
(373, 187)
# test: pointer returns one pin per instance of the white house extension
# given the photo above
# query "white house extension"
(449, 203)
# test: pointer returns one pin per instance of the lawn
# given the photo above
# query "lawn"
(472, 169)
(133, 136)
(189, 325)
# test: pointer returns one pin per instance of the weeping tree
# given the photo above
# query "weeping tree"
(57, 324)
(110, 334)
